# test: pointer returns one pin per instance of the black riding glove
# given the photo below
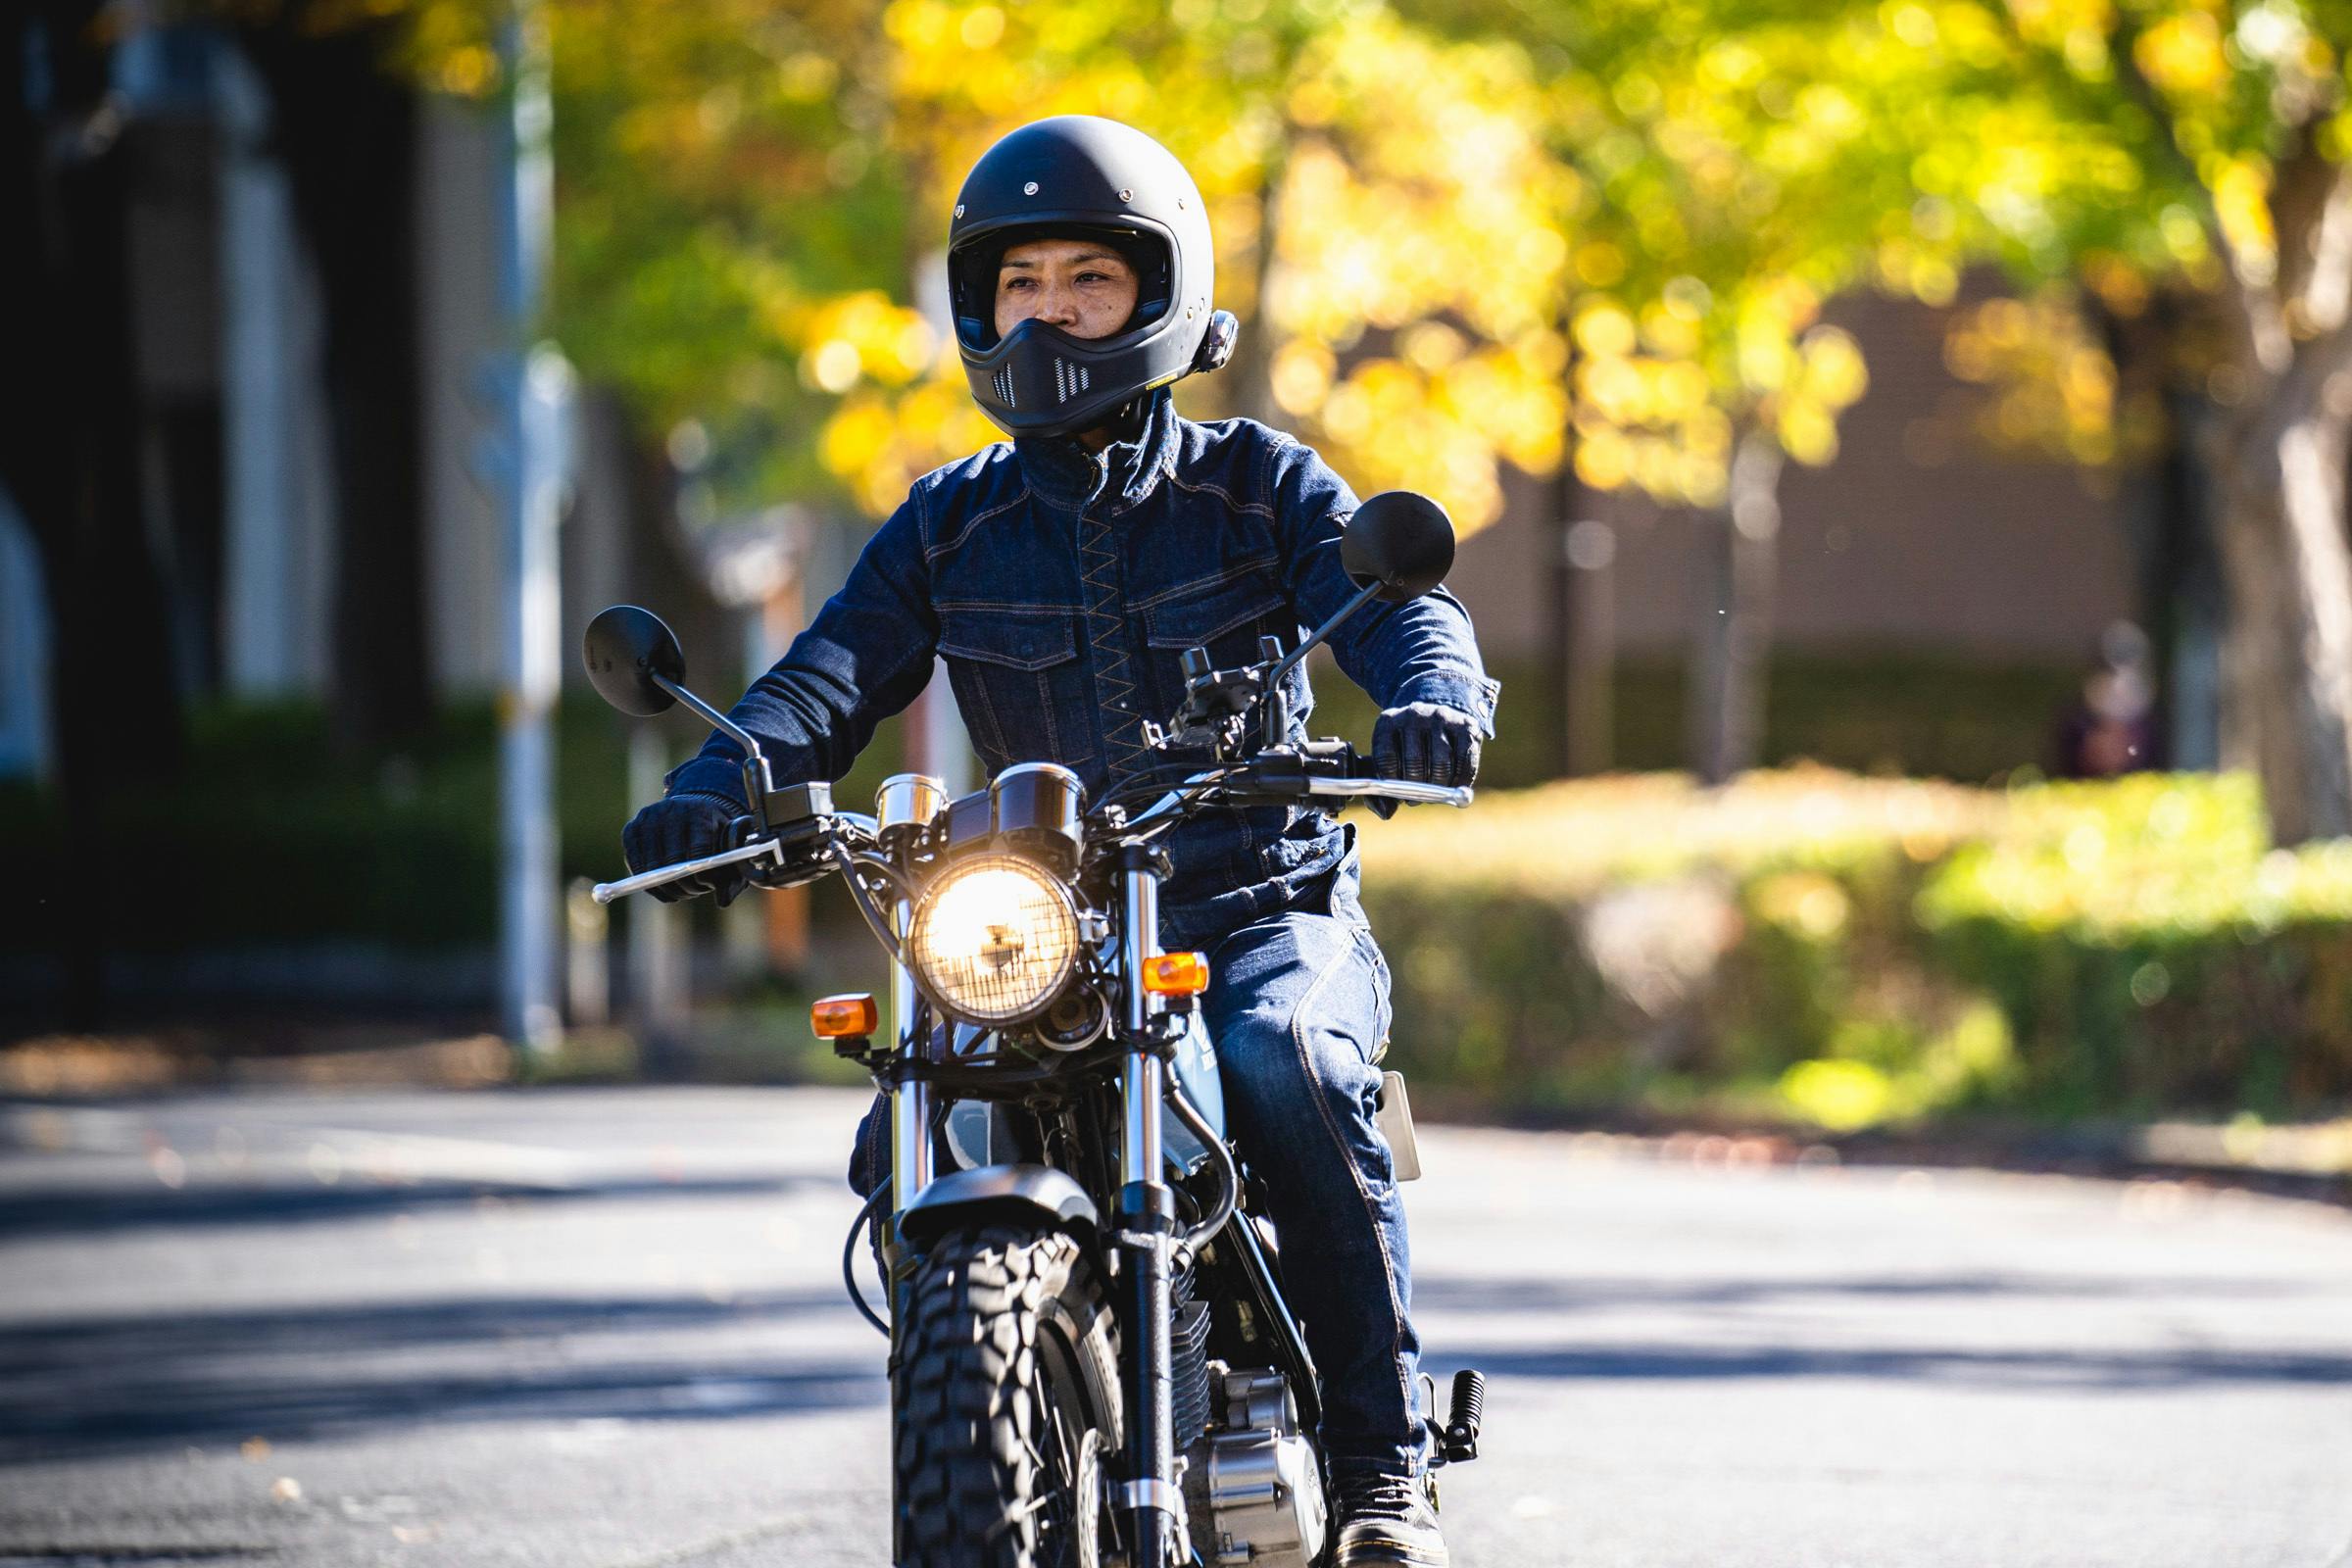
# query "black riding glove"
(686, 827)
(1425, 743)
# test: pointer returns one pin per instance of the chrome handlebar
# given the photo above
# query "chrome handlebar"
(1403, 791)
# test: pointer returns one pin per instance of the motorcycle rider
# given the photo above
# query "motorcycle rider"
(1059, 577)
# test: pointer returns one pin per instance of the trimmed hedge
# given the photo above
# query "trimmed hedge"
(275, 837)
(1808, 942)
(1850, 951)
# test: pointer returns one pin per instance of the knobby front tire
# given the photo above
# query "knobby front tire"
(1005, 1405)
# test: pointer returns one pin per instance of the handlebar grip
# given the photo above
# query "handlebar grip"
(1357, 767)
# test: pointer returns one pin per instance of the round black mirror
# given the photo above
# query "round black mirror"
(625, 649)
(1401, 540)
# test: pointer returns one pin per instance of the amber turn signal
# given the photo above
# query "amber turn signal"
(840, 1018)
(1176, 974)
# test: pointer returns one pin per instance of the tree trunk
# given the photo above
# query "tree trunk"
(1250, 371)
(1734, 632)
(69, 456)
(2288, 655)
(1583, 634)
(347, 130)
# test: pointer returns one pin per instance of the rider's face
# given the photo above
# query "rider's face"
(1084, 288)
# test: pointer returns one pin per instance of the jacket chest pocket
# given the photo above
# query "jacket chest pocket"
(1227, 619)
(1019, 684)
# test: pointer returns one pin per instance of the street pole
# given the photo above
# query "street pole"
(535, 394)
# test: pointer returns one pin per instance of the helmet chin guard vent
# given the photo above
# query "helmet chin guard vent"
(1079, 176)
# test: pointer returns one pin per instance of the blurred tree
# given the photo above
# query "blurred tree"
(1387, 221)
(1729, 172)
(749, 191)
(2187, 155)
(1462, 228)
(2221, 132)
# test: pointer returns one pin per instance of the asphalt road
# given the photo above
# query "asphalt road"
(602, 1329)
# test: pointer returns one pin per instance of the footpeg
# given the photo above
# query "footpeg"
(1469, 1408)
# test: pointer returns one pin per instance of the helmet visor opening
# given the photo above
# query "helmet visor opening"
(974, 267)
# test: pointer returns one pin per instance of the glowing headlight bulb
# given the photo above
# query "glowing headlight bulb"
(995, 938)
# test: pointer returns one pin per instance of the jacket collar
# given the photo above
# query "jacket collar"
(1070, 478)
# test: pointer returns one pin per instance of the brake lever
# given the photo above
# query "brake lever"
(663, 875)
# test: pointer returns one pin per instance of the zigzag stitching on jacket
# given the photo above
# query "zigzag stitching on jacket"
(1122, 730)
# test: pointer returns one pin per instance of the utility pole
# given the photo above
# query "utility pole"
(534, 386)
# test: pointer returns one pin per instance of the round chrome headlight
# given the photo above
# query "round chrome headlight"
(995, 938)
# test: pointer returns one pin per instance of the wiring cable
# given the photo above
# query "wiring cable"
(848, 1260)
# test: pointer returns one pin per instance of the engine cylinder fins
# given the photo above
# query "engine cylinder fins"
(1188, 1369)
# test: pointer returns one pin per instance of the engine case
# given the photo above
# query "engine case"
(1254, 1491)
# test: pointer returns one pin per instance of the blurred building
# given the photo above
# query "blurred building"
(1919, 542)
(255, 333)
(233, 403)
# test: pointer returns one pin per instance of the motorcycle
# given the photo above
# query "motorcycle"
(1092, 1362)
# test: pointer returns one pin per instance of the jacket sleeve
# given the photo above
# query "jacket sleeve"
(867, 654)
(1420, 652)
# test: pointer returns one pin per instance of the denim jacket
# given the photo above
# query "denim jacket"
(1061, 587)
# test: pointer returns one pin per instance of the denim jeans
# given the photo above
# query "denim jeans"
(1297, 1007)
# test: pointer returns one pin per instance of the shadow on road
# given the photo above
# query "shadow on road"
(2055, 1367)
(91, 1212)
(2013, 1370)
(1459, 1294)
(73, 1387)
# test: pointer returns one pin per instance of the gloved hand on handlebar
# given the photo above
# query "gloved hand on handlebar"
(1426, 742)
(686, 827)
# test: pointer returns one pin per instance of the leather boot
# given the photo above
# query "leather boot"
(1385, 1519)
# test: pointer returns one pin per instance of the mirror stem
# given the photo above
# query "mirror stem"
(1278, 716)
(755, 763)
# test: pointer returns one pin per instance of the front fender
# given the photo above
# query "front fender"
(1018, 1193)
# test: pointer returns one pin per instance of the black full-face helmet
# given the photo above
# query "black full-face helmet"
(1078, 176)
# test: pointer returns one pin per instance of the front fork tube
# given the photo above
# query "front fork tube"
(909, 1165)
(909, 1110)
(1150, 1501)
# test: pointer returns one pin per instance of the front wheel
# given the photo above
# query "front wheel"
(1005, 1404)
